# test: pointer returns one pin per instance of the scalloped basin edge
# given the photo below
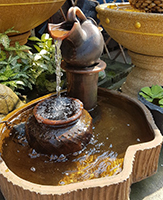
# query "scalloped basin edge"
(140, 161)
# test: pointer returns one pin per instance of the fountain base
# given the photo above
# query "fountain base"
(82, 82)
(140, 160)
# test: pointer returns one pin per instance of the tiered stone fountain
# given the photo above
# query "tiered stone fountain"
(24, 15)
(102, 168)
(141, 34)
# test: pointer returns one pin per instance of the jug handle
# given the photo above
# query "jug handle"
(73, 12)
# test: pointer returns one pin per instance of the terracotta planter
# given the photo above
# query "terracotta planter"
(140, 161)
(25, 15)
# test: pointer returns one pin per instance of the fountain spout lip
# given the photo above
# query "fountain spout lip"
(66, 28)
(69, 121)
(59, 32)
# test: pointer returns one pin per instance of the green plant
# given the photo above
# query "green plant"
(47, 50)
(48, 57)
(19, 67)
(16, 69)
(153, 94)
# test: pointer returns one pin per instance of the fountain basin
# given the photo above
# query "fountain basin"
(138, 31)
(140, 160)
(141, 34)
(25, 15)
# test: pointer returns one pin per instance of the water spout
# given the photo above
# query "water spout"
(58, 67)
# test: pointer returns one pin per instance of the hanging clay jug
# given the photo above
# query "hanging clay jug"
(82, 43)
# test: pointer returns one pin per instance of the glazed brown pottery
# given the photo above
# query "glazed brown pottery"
(82, 43)
(59, 134)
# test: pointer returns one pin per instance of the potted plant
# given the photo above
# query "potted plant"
(152, 98)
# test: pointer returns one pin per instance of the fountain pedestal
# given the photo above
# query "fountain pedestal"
(148, 71)
(82, 83)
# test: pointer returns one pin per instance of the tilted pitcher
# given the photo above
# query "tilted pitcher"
(82, 41)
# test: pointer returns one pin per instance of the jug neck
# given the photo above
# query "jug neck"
(77, 35)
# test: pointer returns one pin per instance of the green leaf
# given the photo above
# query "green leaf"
(10, 49)
(24, 47)
(13, 59)
(18, 75)
(49, 43)
(2, 56)
(37, 48)
(42, 65)
(44, 37)
(45, 57)
(17, 45)
(22, 54)
(148, 98)
(3, 78)
(147, 91)
(9, 72)
(11, 30)
(161, 102)
(3, 63)
(155, 89)
(34, 39)
(5, 41)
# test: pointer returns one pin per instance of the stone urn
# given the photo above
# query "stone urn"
(141, 34)
(25, 15)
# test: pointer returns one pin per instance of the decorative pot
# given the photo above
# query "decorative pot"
(25, 15)
(48, 133)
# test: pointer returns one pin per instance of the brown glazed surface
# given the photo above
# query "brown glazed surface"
(52, 139)
(82, 43)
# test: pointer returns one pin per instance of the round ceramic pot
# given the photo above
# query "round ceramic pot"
(58, 136)
(156, 111)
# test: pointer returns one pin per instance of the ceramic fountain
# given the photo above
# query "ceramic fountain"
(25, 15)
(106, 165)
(141, 34)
